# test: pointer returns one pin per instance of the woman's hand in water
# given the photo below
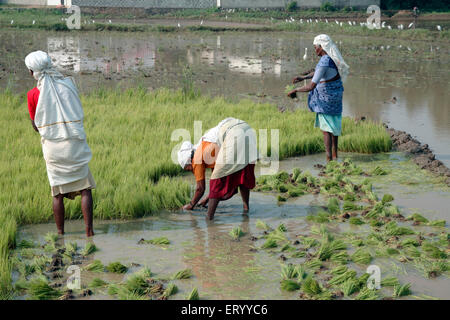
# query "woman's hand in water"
(204, 203)
(188, 207)
(297, 79)
(292, 94)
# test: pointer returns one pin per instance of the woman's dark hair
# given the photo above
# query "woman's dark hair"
(192, 154)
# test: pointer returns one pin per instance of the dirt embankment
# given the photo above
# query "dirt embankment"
(421, 154)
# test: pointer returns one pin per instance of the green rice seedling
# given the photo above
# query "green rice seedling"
(320, 217)
(278, 236)
(295, 173)
(26, 244)
(340, 257)
(412, 251)
(97, 283)
(376, 223)
(281, 198)
(338, 270)
(282, 188)
(158, 241)
(349, 197)
(367, 294)
(289, 88)
(371, 196)
(355, 221)
(295, 193)
(71, 248)
(39, 289)
(27, 253)
(361, 256)
(40, 262)
(298, 254)
(124, 294)
(89, 249)
(116, 267)
(282, 228)
(26, 269)
(145, 272)
(392, 251)
(113, 289)
(363, 280)
(431, 269)
(357, 243)
(301, 273)
(170, 290)
(287, 247)
(262, 225)
(393, 230)
(309, 242)
(390, 282)
(95, 266)
(137, 284)
(236, 233)
(437, 223)
(288, 272)
(387, 198)
(333, 206)
(417, 218)
(51, 237)
(349, 287)
(322, 231)
(311, 287)
(183, 274)
(313, 264)
(290, 285)
(193, 295)
(433, 251)
(341, 278)
(378, 171)
(50, 248)
(403, 290)
(327, 249)
(21, 285)
(350, 206)
(270, 243)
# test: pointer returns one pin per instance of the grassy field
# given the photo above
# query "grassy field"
(129, 134)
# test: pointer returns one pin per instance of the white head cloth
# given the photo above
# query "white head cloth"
(332, 50)
(185, 154)
(59, 114)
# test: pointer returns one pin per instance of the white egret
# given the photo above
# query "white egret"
(389, 27)
(12, 21)
(201, 22)
(410, 25)
(179, 25)
(439, 28)
(110, 21)
(383, 24)
(306, 54)
(341, 24)
(34, 21)
(326, 20)
(337, 22)
(350, 23)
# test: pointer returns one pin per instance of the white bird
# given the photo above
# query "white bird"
(306, 54)
(34, 21)
(439, 28)
(93, 21)
(337, 22)
(326, 20)
(409, 49)
(201, 22)
(179, 25)
(12, 21)
(383, 24)
(410, 25)
(354, 23)
(341, 24)
(317, 21)
(350, 23)
(388, 47)
(110, 21)
(389, 27)
(400, 26)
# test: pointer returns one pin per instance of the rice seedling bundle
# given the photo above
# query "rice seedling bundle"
(97, 283)
(361, 256)
(95, 266)
(437, 223)
(390, 282)
(340, 278)
(262, 225)
(402, 290)
(290, 285)
(183, 274)
(26, 244)
(367, 294)
(387, 198)
(39, 289)
(116, 267)
(236, 233)
(158, 241)
(289, 272)
(51, 237)
(193, 295)
(170, 290)
(89, 249)
(349, 287)
(433, 251)
(355, 221)
(311, 287)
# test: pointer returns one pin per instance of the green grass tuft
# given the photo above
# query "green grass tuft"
(236, 233)
(193, 295)
(116, 267)
(95, 266)
(183, 274)
(89, 249)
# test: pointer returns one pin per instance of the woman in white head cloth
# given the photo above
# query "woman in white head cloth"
(57, 115)
(215, 150)
(326, 92)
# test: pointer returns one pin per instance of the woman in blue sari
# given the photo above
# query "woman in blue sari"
(326, 92)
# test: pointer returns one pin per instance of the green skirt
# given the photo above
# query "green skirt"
(329, 123)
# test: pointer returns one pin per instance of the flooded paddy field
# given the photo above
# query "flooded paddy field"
(224, 268)
(402, 83)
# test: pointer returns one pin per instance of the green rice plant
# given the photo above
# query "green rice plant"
(356, 221)
(26, 244)
(390, 282)
(412, 251)
(262, 225)
(39, 263)
(410, 242)
(340, 257)
(21, 285)
(392, 251)
(417, 218)
(378, 171)
(97, 283)
(136, 284)
(431, 269)
(145, 272)
(349, 287)
(301, 272)
(113, 289)
(289, 272)
(367, 294)
(338, 270)
(320, 217)
(71, 248)
(282, 188)
(95, 266)
(116, 267)
(26, 269)
(387, 198)
(193, 295)
(309, 242)
(124, 294)
(437, 223)
(349, 197)
(39, 289)
(333, 206)
(433, 252)
(50, 248)
(236, 233)
(350, 206)
(295, 173)
(327, 249)
(51, 237)
(281, 198)
(270, 243)
(27, 253)
(402, 290)
(313, 264)
(170, 290)
(158, 241)
(361, 256)
(311, 287)
(282, 228)
(290, 285)
(298, 254)
(393, 230)
(341, 278)
(89, 249)
(362, 280)
(183, 274)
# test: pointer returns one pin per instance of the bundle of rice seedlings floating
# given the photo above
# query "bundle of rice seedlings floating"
(289, 88)
(282, 188)
(349, 287)
(309, 242)
(320, 217)
(437, 223)
(311, 287)
(412, 251)
(363, 279)
(378, 171)
(431, 269)
(333, 206)
(282, 228)
(236, 233)
(51, 237)
(327, 249)
(145, 272)
(26, 244)
(136, 283)
(113, 289)
(340, 278)
(356, 221)
(361, 256)
(116, 267)
(338, 270)
(301, 273)
(50, 248)
(340, 257)
(390, 282)
(40, 262)
(287, 247)
(39, 289)
(97, 283)
(183, 274)
(89, 249)
(392, 251)
(371, 196)
(95, 266)
(26, 269)
(295, 173)
(322, 231)
(433, 251)
(313, 264)
(387, 198)
(27, 253)
(298, 254)
(367, 294)
(158, 241)
(349, 197)
(193, 295)
(281, 199)
(270, 243)
(401, 291)
(376, 223)
(289, 285)
(350, 206)
(170, 290)
(393, 230)
(71, 248)
(416, 217)
(124, 294)
(262, 225)
(289, 272)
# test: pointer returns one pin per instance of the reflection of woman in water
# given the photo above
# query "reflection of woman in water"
(216, 151)
(326, 92)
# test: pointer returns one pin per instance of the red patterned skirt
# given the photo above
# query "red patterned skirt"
(226, 187)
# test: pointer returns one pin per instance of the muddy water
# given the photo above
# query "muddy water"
(227, 269)
(256, 66)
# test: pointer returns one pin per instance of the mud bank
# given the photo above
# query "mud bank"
(421, 153)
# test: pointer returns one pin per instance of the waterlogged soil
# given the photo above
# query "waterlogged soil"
(403, 83)
(224, 268)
